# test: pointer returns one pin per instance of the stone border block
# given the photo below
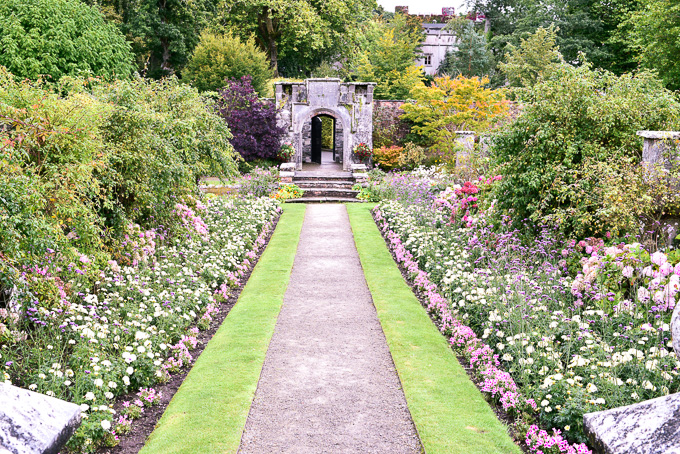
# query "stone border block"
(652, 426)
(33, 423)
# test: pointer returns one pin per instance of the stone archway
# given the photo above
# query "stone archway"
(349, 104)
(302, 134)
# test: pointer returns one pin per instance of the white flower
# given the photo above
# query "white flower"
(129, 370)
(98, 382)
(106, 424)
(32, 387)
(89, 396)
(591, 388)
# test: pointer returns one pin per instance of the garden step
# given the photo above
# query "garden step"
(324, 184)
(329, 192)
(300, 178)
(324, 200)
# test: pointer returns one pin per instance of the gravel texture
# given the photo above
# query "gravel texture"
(328, 383)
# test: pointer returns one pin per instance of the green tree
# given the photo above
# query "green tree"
(165, 32)
(583, 26)
(655, 38)
(387, 57)
(535, 58)
(471, 58)
(59, 38)
(223, 56)
(297, 35)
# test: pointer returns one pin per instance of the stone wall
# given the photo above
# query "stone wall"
(388, 128)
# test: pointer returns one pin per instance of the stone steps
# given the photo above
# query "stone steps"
(325, 200)
(329, 192)
(324, 184)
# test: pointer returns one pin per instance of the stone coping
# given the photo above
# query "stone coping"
(659, 134)
(652, 426)
(33, 423)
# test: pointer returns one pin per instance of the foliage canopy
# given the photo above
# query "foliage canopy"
(59, 38)
(297, 35)
(387, 57)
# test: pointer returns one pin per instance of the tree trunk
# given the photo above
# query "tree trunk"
(274, 57)
(269, 35)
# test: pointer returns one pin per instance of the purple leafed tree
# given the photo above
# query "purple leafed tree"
(252, 122)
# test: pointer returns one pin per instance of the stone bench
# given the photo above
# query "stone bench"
(33, 423)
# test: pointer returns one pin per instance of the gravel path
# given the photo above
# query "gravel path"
(328, 384)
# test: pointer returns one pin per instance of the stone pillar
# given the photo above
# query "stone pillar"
(661, 151)
(466, 139)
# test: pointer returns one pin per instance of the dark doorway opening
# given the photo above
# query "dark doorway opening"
(323, 140)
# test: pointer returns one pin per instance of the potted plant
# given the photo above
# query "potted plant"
(363, 152)
(286, 152)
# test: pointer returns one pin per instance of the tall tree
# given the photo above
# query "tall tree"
(587, 26)
(220, 57)
(387, 56)
(655, 38)
(163, 33)
(535, 58)
(470, 57)
(297, 35)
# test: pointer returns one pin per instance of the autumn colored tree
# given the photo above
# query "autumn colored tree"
(454, 104)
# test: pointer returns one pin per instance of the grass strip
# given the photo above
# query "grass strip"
(448, 410)
(208, 412)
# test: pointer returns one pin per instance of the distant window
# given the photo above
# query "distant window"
(428, 60)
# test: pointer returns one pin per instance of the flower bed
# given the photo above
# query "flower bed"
(546, 346)
(138, 323)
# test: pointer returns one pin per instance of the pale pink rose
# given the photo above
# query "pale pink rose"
(666, 269)
(628, 271)
(643, 294)
(659, 258)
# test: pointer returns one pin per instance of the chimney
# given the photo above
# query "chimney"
(401, 9)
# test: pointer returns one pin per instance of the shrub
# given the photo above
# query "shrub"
(59, 38)
(387, 158)
(572, 123)
(94, 160)
(219, 57)
(252, 122)
(412, 156)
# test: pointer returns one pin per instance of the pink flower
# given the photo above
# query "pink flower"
(659, 258)
(628, 271)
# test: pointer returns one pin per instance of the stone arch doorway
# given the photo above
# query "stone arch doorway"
(308, 150)
(326, 147)
(349, 104)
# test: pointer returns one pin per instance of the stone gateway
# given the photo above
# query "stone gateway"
(349, 106)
